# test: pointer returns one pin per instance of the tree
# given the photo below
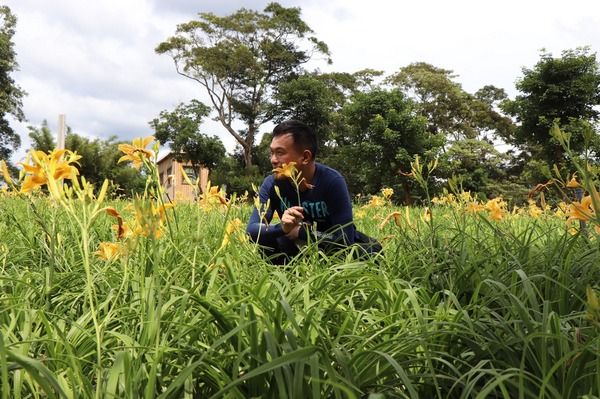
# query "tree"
(314, 99)
(449, 109)
(564, 89)
(477, 164)
(181, 128)
(379, 136)
(471, 123)
(240, 59)
(10, 93)
(42, 138)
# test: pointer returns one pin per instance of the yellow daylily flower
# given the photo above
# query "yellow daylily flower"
(573, 182)
(49, 169)
(426, 215)
(136, 151)
(561, 209)
(148, 220)
(474, 207)
(287, 170)
(109, 250)
(376, 201)
(496, 208)
(212, 196)
(466, 196)
(387, 192)
(231, 227)
(5, 173)
(534, 210)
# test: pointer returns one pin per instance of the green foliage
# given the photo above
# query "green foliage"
(261, 154)
(378, 136)
(459, 307)
(478, 164)
(42, 138)
(181, 129)
(10, 93)
(238, 180)
(240, 59)
(307, 99)
(316, 98)
(564, 89)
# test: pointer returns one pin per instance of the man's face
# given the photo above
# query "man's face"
(283, 151)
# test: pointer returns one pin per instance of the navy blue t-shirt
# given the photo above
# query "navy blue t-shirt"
(327, 207)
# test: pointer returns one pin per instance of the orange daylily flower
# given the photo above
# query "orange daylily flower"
(120, 226)
(136, 151)
(397, 216)
(583, 210)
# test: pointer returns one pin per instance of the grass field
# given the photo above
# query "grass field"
(137, 299)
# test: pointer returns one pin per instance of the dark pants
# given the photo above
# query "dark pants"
(281, 250)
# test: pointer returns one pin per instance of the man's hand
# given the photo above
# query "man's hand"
(291, 219)
(294, 233)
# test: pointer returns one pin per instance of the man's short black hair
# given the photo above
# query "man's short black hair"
(304, 137)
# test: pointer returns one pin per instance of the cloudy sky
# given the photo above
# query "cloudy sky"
(94, 60)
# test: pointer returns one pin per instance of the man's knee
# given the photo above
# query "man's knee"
(279, 251)
(369, 246)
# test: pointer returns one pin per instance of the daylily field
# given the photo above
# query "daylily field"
(144, 298)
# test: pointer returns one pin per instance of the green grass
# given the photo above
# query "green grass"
(462, 307)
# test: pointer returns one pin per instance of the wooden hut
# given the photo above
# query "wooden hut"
(175, 185)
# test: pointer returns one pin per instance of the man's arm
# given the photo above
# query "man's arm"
(261, 230)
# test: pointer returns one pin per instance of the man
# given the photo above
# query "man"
(315, 207)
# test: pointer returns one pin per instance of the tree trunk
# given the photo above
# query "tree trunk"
(249, 143)
(247, 157)
(407, 193)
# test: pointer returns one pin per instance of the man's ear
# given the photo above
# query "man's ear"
(306, 157)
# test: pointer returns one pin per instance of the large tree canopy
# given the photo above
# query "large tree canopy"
(181, 129)
(240, 59)
(379, 135)
(566, 89)
(449, 109)
(10, 93)
(315, 98)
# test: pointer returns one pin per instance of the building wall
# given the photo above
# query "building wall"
(172, 179)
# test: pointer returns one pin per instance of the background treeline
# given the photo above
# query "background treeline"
(253, 69)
